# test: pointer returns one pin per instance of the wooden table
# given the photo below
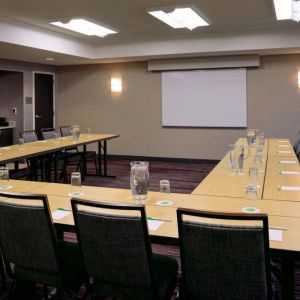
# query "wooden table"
(41, 148)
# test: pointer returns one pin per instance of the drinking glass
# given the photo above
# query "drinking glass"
(89, 131)
(4, 173)
(240, 159)
(233, 158)
(21, 143)
(75, 181)
(252, 183)
(164, 186)
(261, 138)
(56, 136)
(75, 130)
(139, 179)
(251, 137)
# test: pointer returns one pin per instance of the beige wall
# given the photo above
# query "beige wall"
(84, 97)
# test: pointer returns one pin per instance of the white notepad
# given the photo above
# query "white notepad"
(284, 151)
(154, 224)
(282, 141)
(275, 235)
(289, 188)
(289, 172)
(287, 162)
(60, 214)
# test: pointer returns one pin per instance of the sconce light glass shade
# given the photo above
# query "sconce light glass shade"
(116, 85)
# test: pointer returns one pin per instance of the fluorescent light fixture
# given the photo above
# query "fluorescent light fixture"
(116, 85)
(180, 18)
(283, 9)
(85, 27)
(296, 10)
(50, 58)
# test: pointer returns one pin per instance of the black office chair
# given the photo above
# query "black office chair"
(28, 241)
(296, 142)
(29, 136)
(69, 158)
(224, 261)
(36, 163)
(117, 252)
(87, 155)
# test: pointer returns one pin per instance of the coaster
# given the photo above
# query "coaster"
(6, 148)
(164, 203)
(250, 210)
(5, 187)
(75, 194)
(41, 141)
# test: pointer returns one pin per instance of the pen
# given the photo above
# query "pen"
(278, 228)
(64, 209)
(158, 219)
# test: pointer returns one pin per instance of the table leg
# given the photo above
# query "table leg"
(99, 159)
(84, 160)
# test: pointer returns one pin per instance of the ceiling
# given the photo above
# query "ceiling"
(237, 27)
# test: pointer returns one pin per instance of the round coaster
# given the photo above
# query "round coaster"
(75, 194)
(41, 141)
(62, 138)
(5, 187)
(6, 148)
(164, 203)
(250, 210)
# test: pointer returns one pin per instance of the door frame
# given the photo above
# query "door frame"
(33, 96)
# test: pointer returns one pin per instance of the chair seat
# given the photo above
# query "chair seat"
(90, 154)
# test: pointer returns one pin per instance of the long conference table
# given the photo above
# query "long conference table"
(43, 148)
(221, 190)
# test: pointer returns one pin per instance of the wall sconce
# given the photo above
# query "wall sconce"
(116, 85)
(299, 79)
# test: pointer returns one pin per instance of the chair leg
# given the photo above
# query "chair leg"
(96, 165)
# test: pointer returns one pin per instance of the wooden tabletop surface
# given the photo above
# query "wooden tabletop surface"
(28, 150)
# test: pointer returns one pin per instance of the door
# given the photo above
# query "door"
(44, 110)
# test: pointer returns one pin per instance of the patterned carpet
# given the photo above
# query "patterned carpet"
(184, 177)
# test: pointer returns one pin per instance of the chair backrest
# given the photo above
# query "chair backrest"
(27, 238)
(116, 248)
(48, 133)
(65, 130)
(296, 142)
(224, 261)
(29, 136)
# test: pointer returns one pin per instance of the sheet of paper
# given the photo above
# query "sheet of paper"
(288, 162)
(284, 151)
(283, 146)
(59, 214)
(282, 141)
(275, 235)
(154, 224)
(289, 172)
(289, 188)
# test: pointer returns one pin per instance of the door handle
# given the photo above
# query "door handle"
(38, 117)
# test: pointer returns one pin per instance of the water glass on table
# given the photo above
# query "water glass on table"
(164, 186)
(4, 173)
(75, 183)
(21, 144)
(233, 158)
(251, 136)
(139, 180)
(252, 183)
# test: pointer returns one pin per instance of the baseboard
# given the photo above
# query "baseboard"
(170, 159)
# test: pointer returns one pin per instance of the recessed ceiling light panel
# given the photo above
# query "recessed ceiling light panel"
(180, 18)
(86, 27)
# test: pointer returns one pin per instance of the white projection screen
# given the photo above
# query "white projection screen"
(204, 98)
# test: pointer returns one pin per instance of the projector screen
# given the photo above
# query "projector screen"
(204, 98)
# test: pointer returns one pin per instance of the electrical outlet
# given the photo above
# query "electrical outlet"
(14, 111)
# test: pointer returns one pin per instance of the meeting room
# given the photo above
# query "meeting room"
(150, 149)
